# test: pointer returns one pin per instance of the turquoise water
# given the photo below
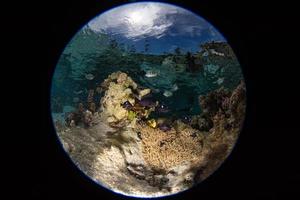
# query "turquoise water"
(90, 57)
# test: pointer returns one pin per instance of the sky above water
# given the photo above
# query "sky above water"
(163, 26)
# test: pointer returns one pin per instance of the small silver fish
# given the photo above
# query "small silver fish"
(219, 81)
(216, 53)
(174, 88)
(167, 93)
(150, 74)
(89, 76)
(78, 92)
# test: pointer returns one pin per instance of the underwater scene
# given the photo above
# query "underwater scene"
(148, 99)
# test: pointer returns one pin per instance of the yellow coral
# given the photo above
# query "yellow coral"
(152, 123)
(114, 97)
(119, 89)
(143, 92)
(131, 115)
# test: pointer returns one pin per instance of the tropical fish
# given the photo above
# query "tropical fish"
(147, 102)
(127, 105)
(162, 108)
(186, 119)
(164, 127)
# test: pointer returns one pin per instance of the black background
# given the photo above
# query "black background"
(265, 38)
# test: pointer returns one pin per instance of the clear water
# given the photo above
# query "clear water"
(96, 54)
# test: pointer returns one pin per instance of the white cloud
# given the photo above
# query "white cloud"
(136, 20)
(149, 19)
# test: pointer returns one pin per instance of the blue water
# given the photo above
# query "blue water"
(100, 55)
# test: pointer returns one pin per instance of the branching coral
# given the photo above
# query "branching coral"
(164, 150)
(131, 115)
(205, 149)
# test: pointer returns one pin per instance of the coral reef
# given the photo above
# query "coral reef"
(204, 146)
(231, 105)
(117, 142)
(119, 90)
(123, 100)
(227, 122)
(166, 149)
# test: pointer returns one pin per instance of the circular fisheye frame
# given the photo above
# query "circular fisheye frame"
(148, 99)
